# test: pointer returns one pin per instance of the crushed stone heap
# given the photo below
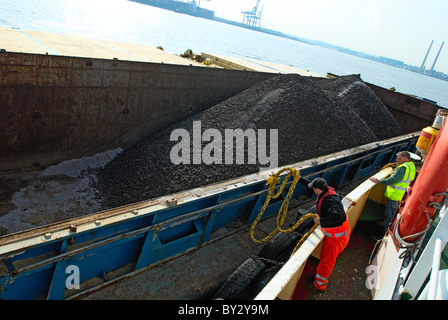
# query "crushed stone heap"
(312, 119)
(358, 97)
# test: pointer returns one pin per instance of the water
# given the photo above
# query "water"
(126, 21)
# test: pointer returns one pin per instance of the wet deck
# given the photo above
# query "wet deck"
(256, 65)
(31, 41)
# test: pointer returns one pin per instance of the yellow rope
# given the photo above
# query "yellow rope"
(308, 215)
(272, 181)
(389, 165)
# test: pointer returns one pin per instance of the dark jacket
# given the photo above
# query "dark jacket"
(329, 207)
(331, 211)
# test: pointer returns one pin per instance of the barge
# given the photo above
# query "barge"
(88, 255)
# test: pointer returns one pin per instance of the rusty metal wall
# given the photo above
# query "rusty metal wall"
(56, 108)
(411, 113)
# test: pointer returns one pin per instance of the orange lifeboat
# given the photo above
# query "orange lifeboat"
(424, 197)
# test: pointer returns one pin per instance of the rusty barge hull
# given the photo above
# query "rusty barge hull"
(59, 107)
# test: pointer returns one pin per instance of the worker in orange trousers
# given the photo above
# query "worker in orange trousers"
(335, 227)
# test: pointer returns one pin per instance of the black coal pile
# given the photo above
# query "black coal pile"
(357, 96)
(310, 119)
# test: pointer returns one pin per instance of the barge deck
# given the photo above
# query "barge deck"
(157, 230)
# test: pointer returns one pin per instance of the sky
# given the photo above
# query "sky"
(397, 29)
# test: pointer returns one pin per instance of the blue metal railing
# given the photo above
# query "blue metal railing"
(108, 252)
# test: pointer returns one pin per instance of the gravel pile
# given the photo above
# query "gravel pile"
(359, 98)
(312, 119)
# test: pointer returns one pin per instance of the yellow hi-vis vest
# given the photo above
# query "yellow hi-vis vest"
(397, 190)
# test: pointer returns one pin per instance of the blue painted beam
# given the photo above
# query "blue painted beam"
(144, 240)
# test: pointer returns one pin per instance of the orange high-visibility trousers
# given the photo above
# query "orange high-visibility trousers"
(334, 242)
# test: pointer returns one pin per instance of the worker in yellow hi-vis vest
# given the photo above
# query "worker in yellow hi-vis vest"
(397, 184)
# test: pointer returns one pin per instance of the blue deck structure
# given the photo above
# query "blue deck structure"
(96, 250)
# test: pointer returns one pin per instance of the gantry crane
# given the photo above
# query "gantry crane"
(253, 18)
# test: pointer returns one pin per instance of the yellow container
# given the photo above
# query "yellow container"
(425, 140)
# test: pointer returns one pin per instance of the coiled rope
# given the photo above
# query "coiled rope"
(272, 182)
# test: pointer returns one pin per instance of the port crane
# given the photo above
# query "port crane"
(253, 18)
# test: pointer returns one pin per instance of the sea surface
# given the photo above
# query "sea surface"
(131, 22)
